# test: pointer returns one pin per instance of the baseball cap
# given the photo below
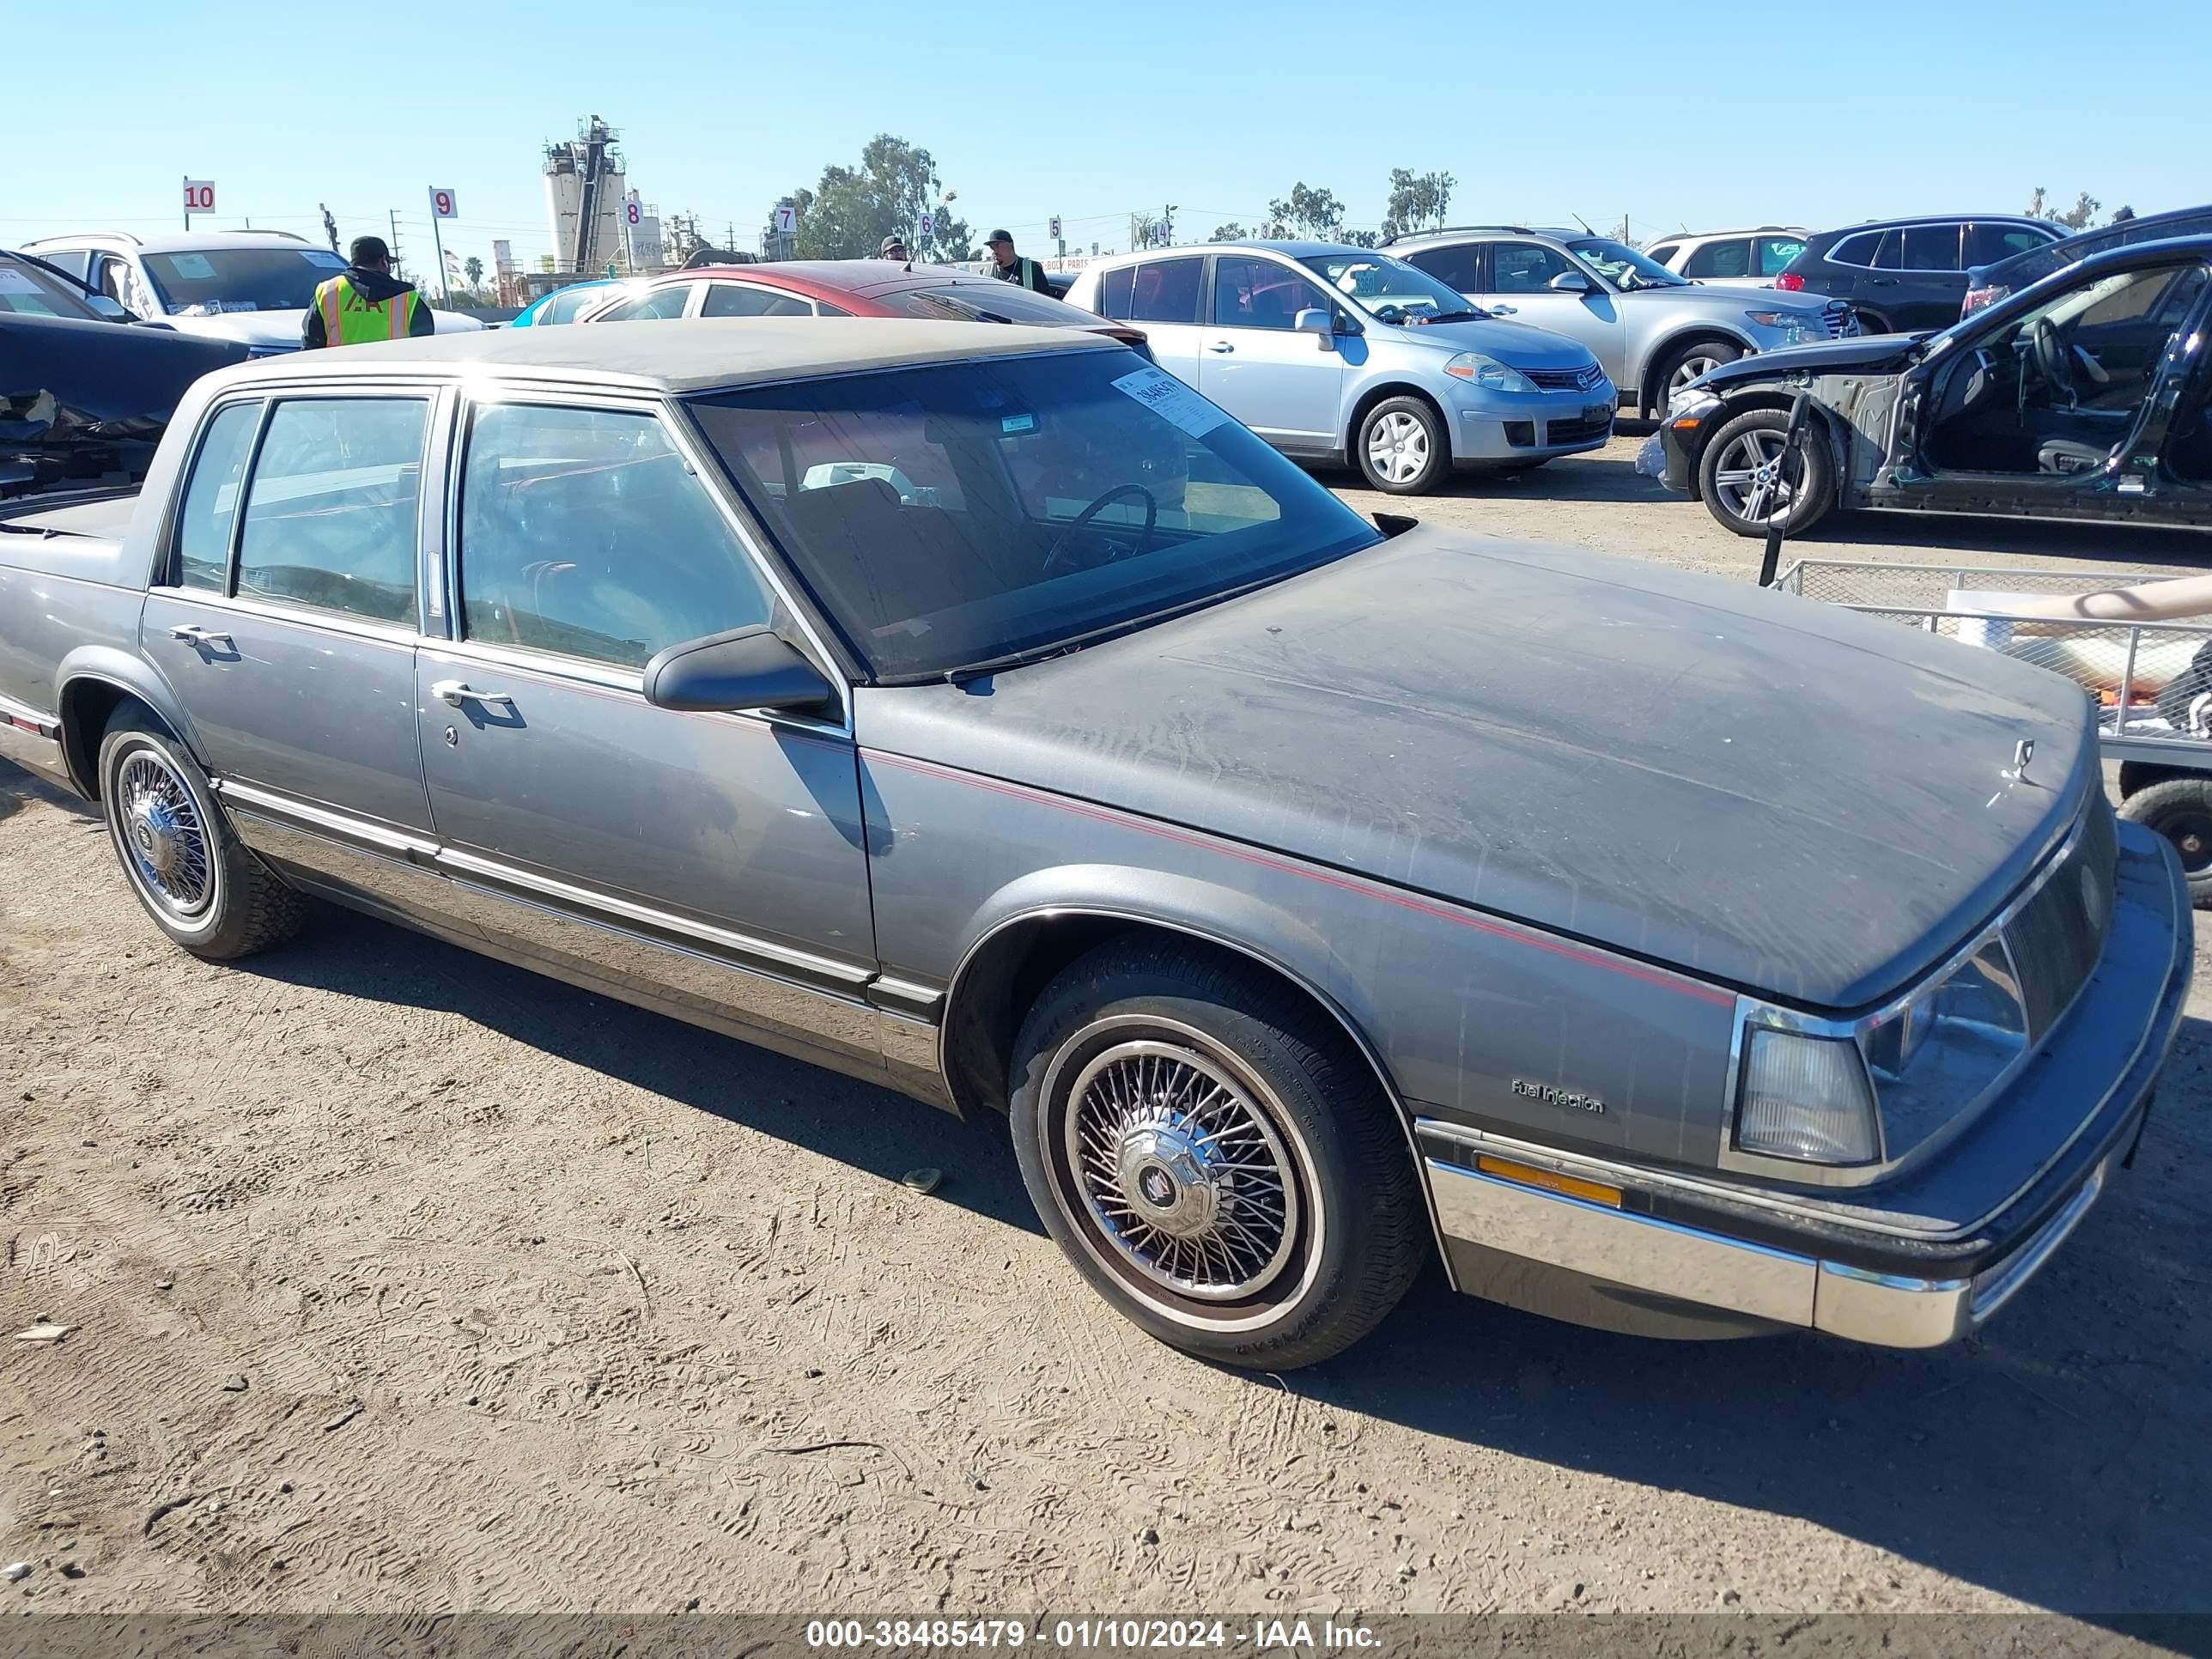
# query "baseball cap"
(1000, 236)
(888, 243)
(368, 249)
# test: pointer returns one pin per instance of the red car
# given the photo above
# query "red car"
(848, 288)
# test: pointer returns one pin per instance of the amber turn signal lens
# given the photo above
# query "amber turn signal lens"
(1528, 1175)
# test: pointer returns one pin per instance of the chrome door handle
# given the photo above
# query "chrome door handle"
(192, 633)
(1219, 345)
(458, 692)
(1503, 311)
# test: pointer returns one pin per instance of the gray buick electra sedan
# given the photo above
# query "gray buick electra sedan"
(982, 712)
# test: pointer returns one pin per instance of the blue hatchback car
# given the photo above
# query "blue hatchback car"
(563, 305)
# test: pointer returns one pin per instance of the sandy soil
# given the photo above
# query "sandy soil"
(400, 1280)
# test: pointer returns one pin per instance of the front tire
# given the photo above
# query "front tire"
(1402, 447)
(183, 860)
(1742, 478)
(1224, 1172)
(2180, 809)
(1684, 364)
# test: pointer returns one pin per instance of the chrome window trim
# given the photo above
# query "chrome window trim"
(1751, 1012)
(673, 420)
(400, 635)
(167, 575)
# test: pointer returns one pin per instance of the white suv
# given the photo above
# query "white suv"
(1731, 258)
(251, 286)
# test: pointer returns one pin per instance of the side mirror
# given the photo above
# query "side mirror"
(1313, 320)
(744, 668)
(1570, 282)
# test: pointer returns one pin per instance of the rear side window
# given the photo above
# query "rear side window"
(1987, 244)
(1931, 248)
(1728, 258)
(660, 305)
(1857, 250)
(584, 533)
(331, 515)
(211, 499)
(1113, 292)
(1777, 253)
(1166, 290)
(1459, 269)
(742, 300)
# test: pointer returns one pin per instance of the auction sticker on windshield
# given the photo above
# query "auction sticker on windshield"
(1168, 397)
(193, 267)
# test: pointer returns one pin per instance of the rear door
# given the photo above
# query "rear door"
(1923, 280)
(1163, 297)
(1286, 386)
(715, 861)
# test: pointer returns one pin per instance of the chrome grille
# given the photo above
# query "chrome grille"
(1565, 379)
(2057, 936)
(1843, 323)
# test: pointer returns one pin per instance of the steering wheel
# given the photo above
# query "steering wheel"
(1083, 520)
(2054, 361)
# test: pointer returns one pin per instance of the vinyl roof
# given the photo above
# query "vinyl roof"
(690, 355)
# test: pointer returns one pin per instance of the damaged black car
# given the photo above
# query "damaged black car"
(85, 390)
(2081, 397)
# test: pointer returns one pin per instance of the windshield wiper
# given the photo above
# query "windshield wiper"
(1455, 316)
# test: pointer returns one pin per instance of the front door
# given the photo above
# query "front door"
(2061, 408)
(288, 629)
(715, 861)
(1519, 285)
(1286, 386)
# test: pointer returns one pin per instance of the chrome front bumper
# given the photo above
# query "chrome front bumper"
(1592, 1240)
(1756, 1284)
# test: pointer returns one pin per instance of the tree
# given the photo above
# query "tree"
(1144, 232)
(2076, 217)
(1231, 232)
(849, 212)
(1360, 238)
(1417, 202)
(1307, 212)
(473, 267)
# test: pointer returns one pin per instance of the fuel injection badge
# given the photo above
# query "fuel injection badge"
(1567, 1100)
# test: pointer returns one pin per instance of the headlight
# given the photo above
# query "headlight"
(1933, 1055)
(1488, 372)
(1805, 1098)
(1794, 326)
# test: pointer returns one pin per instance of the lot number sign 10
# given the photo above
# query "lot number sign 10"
(199, 198)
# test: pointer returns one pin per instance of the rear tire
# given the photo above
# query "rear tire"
(1401, 447)
(1218, 1163)
(2180, 809)
(183, 860)
(1730, 483)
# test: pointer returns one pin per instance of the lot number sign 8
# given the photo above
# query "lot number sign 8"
(200, 196)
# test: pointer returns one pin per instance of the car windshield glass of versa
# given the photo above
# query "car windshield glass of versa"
(963, 515)
(240, 279)
(1372, 281)
(1621, 264)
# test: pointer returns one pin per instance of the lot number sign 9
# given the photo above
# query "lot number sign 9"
(441, 204)
(200, 196)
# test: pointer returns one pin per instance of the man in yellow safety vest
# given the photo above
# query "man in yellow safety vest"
(364, 302)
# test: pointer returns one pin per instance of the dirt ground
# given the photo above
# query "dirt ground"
(399, 1280)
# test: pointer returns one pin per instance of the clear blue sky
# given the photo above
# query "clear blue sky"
(1672, 113)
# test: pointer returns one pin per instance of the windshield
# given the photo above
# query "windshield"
(38, 292)
(1621, 264)
(987, 302)
(1372, 281)
(202, 283)
(952, 516)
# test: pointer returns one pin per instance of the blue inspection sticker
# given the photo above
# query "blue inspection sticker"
(1018, 423)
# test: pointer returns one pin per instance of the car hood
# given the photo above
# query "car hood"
(1772, 793)
(1865, 354)
(1517, 345)
(282, 328)
(1730, 302)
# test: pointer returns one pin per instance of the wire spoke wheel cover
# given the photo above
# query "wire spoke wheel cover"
(1182, 1171)
(163, 834)
(1398, 447)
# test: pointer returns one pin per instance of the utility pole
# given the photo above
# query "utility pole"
(1167, 223)
(330, 227)
(396, 269)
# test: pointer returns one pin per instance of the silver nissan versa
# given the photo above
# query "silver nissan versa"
(1333, 353)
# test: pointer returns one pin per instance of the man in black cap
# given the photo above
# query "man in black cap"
(365, 302)
(893, 247)
(1009, 266)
